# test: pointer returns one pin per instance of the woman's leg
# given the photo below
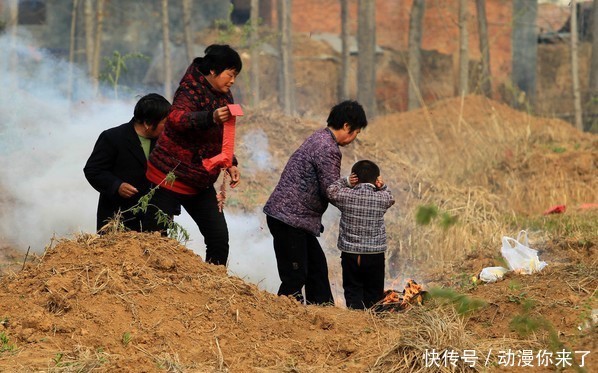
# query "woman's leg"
(203, 209)
(291, 257)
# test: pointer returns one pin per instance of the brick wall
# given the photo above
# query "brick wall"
(441, 32)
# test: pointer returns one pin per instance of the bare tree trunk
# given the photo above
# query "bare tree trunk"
(72, 48)
(97, 46)
(255, 52)
(13, 25)
(463, 49)
(343, 82)
(484, 47)
(366, 62)
(594, 61)
(166, 49)
(414, 99)
(286, 54)
(187, 30)
(525, 48)
(89, 27)
(13, 21)
(575, 67)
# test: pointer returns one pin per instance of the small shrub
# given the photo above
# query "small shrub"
(126, 339)
(5, 344)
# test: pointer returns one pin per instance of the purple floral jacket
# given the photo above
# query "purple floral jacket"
(299, 199)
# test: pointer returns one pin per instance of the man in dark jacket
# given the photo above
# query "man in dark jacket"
(295, 207)
(117, 165)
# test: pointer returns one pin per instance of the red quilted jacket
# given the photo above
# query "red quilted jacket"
(190, 133)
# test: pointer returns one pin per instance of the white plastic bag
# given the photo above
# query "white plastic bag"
(519, 256)
(493, 274)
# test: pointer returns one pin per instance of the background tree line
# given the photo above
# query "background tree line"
(524, 48)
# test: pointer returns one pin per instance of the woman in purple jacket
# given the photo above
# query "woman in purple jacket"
(295, 207)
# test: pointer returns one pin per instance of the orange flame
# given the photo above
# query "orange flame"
(394, 300)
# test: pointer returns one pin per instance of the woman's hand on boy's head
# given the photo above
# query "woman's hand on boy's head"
(379, 182)
(353, 180)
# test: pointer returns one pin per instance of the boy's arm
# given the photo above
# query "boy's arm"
(390, 200)
(334, 191)
(383, 189)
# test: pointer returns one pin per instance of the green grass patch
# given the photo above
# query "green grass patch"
(582, 227)
(463, 304)
(5, 344)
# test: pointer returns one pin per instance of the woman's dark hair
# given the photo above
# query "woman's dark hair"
(350, 112)
(219, 57)
(151, 109)
(366, 171)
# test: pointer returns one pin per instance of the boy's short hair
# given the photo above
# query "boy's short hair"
(151, 109)
(366, 171)
(219, 57)
(350, 112)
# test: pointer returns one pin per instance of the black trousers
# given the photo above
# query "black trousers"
(363, 279)
(203, 209)
(301, 262)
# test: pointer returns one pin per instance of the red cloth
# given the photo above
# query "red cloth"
(558, 209)
(225, 158)
(158, 177)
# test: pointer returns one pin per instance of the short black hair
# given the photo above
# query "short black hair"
(350, 112)
(151, 109)
(366, 171)
(219, 57)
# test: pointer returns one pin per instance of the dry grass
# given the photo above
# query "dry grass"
(475, 160)
(80, 359)
(439, 329)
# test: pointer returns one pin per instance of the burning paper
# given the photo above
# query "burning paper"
(395, 301)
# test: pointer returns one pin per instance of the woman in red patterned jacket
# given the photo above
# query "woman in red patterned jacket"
(193, 131)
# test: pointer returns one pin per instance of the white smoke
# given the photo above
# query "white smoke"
(255, 143)
(44, 143)
(45, 140)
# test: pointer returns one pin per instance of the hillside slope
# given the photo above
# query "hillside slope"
(140, 302)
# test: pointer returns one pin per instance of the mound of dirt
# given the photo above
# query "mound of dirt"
(140, 302)
(474, 142)
(556, 303)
